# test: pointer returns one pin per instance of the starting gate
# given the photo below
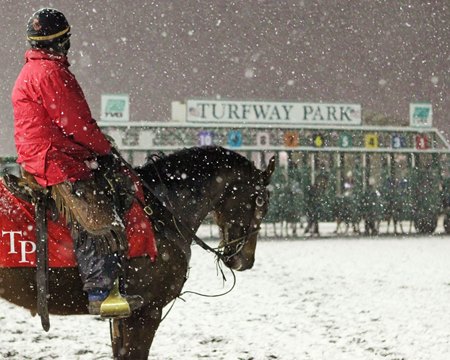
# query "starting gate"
(390, 172)
(407, 168)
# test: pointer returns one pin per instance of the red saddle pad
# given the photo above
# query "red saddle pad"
(18, 241)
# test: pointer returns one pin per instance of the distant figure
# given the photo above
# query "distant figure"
(313, 203)
(348, 182)
(371, 210)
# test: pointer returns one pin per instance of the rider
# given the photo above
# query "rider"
(60, 147)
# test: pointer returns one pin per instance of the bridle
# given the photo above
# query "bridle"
(253, 228)
(262, 196)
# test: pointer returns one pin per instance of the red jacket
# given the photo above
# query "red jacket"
(54, 129)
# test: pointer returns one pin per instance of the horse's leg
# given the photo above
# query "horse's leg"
(373, 227)
(316, 228)
(356, 228)
(378, 226)
(338, 223)
(308, 225)
(135, 334)
(395, 226)
(388, 224)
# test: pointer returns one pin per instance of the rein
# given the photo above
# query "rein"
(213, 295)
(181, 227)
(196, 239)
(240, 240)
(203, 295)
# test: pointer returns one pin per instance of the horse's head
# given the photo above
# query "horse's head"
(239, 216)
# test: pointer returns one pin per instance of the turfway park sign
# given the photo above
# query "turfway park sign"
(262, 112)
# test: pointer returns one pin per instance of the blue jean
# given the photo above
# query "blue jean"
(97, 271)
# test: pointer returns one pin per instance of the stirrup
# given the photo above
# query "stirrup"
(115, 305)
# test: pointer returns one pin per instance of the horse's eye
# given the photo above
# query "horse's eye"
(259, 201)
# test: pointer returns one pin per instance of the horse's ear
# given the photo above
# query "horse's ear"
(267, 174)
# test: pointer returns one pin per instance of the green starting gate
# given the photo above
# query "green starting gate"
(402, 169)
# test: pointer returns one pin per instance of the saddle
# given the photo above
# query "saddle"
(95, 205)
(25, 188)
(87, 210)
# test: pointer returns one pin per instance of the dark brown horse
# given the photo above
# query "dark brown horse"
(192, 183)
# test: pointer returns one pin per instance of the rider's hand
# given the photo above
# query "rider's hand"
(92, 164)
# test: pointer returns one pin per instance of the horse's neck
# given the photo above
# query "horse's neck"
(193, 205)
(192, 200)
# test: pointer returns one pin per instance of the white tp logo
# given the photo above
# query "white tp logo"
(25, 246)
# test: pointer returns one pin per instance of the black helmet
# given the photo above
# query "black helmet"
(48, 29)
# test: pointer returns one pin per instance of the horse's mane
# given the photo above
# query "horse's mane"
(200, 161)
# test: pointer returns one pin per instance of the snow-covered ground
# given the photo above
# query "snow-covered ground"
(358, 298)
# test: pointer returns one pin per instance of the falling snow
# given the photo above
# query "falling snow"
(339, 299)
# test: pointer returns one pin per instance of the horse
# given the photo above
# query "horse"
(397, 205)
(192, 183)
